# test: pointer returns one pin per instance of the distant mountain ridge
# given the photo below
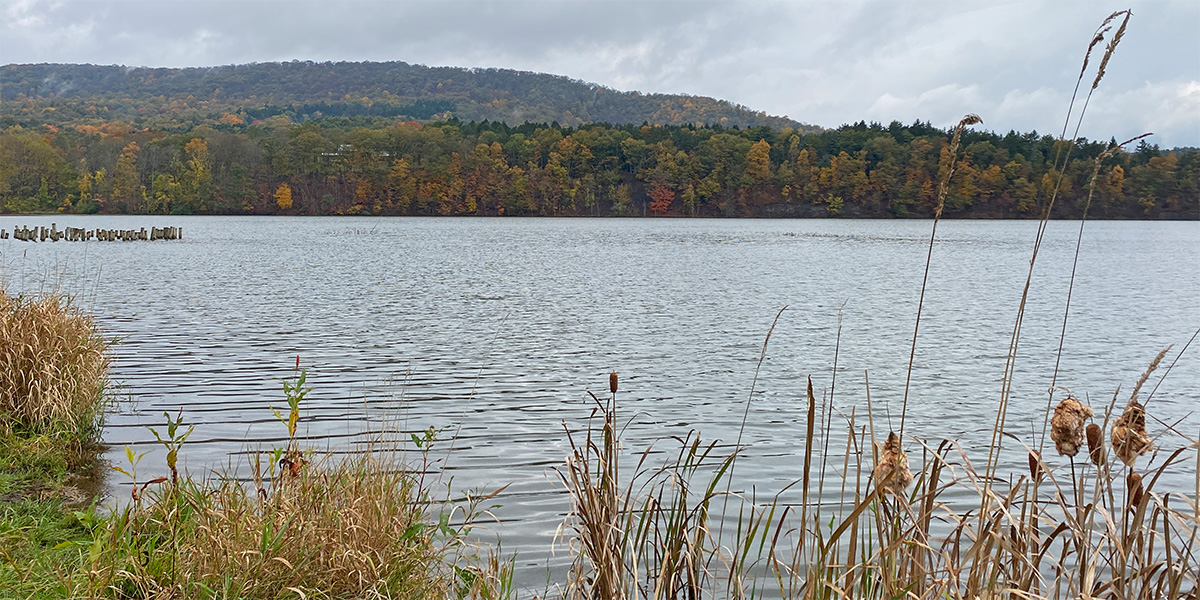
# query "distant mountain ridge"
(306, 90)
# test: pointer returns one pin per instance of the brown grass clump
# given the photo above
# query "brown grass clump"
(53, 366)
(359, 528)
(1067, 425)
(891, 472)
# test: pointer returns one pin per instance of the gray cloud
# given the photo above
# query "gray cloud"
(827, 63)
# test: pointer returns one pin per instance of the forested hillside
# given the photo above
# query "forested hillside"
(370, 93)
(332, 165)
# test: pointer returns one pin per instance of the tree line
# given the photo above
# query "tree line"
(330, 166)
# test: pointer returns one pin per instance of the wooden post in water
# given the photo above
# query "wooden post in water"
(40, 233)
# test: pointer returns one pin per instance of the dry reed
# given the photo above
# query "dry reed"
(1077, 542)
(53, 366)
(359, 528)
(368, 526)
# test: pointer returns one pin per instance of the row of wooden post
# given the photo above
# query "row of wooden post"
(78, 234)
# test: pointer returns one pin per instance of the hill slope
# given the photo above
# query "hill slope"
(306, 90)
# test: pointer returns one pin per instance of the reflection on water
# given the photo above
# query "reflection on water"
(495, 329)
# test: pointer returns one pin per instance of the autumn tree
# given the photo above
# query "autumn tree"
(283, 196)
(401, 187)
(164, 193)
(758, 163)
(128, 193)
(34, 176)
(660, 198)
(196, 179)
(353, 164)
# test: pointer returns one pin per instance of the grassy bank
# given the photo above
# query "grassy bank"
(53, 380)
(366, 527)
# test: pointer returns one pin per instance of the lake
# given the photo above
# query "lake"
(496, 329)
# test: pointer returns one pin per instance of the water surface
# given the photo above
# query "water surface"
(494, 330)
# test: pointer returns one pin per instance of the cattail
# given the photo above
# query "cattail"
(1095, 442)
(1134, 484)
(1129, 437)
(612, 382)
(1035, 465)
(891, 472)
(1067, 425)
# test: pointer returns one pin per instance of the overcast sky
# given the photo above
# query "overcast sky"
(825, 63)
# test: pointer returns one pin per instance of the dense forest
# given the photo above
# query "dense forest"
(371, 92)
(490, 168)
(274, 139)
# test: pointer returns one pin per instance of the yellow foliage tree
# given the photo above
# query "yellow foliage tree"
(283, 196)
(758, 162)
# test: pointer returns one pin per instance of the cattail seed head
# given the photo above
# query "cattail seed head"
(1067, 425)
(1133, 483)
(891, 472)
(612, 382)
(1129, 438)
(1095, 442)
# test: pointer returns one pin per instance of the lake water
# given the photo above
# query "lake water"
(496, 329)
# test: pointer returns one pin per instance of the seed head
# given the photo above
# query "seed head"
(1067, 425)
(1095, 441)
(1133, 483)
(1129, 438)
(891, 472)
(612, 382)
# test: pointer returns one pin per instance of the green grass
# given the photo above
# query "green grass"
(46, 519)
(53, 382)
(366, 527)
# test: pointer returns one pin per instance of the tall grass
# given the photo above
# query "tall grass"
(357, 528)
(53, 367)
(306, 525)
(954, 528)
(53, 390)
(1100, 528)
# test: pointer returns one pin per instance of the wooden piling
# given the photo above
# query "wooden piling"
(52, 233)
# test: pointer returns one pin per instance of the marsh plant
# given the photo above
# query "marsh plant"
(895, 526)
(306, 524)
(53, 367)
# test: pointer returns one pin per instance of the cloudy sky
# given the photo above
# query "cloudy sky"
(821, 62)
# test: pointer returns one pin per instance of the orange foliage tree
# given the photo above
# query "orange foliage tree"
(660, 198)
